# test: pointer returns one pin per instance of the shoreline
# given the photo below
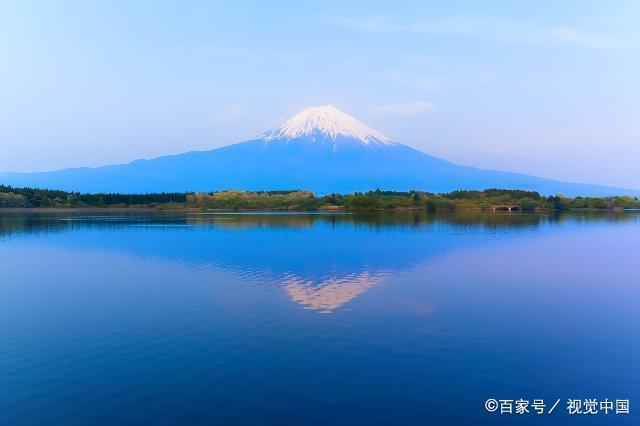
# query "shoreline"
(320, 210)
(85, 209)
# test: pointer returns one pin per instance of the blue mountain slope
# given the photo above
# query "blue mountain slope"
(321, 151)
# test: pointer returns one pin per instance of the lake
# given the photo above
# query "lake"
(316, 319)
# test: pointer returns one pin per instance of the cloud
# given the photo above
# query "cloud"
(230, 113)
(574, 36)
(484, 29)
(406, 108)
(458, 26)
(408, 79)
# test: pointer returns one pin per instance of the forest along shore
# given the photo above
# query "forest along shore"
(493, 200)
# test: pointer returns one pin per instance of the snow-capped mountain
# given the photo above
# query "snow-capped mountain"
(321, 149)
(326, 124)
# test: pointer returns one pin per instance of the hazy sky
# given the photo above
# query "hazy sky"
(547, 88)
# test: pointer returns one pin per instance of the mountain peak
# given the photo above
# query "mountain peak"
(329, 122)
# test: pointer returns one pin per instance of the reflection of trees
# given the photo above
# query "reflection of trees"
(403, 219)
(231, 220)
(47, 222)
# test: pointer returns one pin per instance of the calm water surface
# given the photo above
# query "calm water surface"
(310, 319)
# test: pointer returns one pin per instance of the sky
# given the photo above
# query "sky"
(549, 88)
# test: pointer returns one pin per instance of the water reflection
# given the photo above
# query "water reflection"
(321, 261)
(216, 319)
(331, 293)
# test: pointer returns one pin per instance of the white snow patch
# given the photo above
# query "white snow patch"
(329, 121)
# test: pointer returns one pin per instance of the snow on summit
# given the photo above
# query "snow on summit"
(328, 121)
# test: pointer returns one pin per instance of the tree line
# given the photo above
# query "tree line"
(36, 197)
(304, 200)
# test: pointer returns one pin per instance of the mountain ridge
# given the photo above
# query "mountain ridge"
(320, 149)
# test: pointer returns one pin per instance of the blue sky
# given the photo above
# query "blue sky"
(547, 88)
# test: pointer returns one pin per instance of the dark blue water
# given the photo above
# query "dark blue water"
(315, 319)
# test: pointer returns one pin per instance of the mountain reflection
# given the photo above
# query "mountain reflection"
(320, 261)
(331, 293)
